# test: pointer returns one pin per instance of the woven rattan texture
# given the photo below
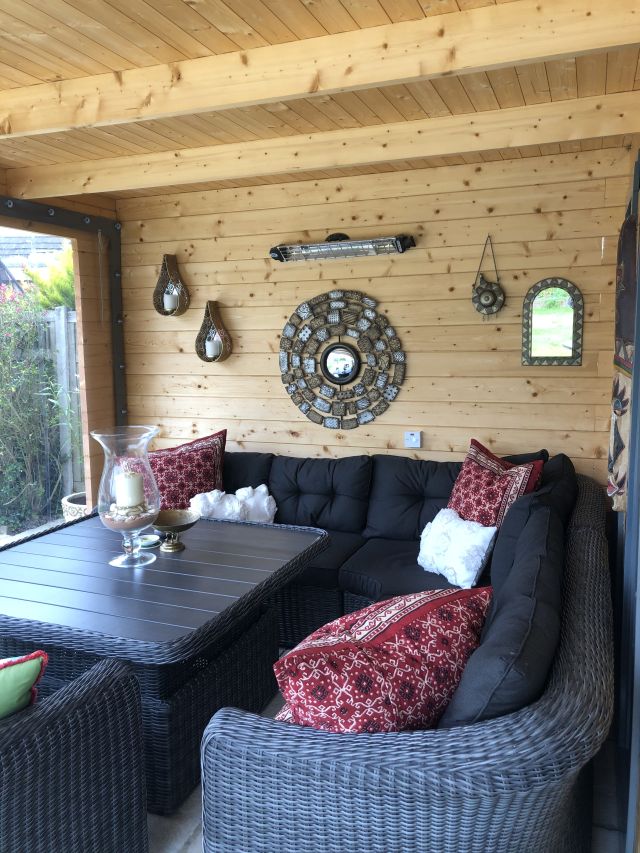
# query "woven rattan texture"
(228, 661)
(240, 676)
(71, 769)
(302, 609)
(510, 785)
(355, 602)
(158, 681)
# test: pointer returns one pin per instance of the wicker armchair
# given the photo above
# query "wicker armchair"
(511, 785)
(71, 769)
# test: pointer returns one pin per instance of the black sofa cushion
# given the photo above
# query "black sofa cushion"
(323, 571)
(510, 667)
(245, 469)
(406, 494)
(328, 493)
(558, 489)
(559, 486)
(523, 458)
(386, 567)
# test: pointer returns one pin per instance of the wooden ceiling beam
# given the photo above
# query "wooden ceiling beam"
(559, 121)
(477, 39)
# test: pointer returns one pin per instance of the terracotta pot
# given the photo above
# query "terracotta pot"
(75, 506)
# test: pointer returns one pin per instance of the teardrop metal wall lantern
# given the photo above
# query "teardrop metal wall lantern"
(213, 342)
(487, 296)
(170, 296)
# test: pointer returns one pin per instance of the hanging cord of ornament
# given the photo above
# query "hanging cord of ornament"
(487, 296)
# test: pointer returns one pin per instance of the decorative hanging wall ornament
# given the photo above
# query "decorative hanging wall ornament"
(170, 296)
(213, 342)
(487, 296)
(336, 383)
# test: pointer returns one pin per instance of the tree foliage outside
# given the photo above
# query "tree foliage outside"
(30, 459)
(57, 288)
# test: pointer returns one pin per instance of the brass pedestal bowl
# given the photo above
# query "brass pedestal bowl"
(173, 522)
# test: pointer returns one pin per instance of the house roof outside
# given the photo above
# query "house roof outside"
(22, 250)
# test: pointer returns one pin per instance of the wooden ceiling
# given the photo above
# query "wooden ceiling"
(77, 116)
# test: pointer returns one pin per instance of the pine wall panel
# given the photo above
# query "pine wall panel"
(556, 215)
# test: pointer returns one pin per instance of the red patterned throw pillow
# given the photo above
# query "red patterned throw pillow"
(393, 665)
(487, 485)
(189, 469)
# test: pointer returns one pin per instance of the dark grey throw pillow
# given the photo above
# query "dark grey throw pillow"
(558, 489)
(510, 667)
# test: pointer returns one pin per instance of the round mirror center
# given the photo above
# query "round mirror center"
(340, 363)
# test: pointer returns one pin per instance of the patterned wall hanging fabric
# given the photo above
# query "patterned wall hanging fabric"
(626, 294)
(315, 326)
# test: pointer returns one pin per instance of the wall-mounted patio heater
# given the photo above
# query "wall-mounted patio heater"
(340, 246)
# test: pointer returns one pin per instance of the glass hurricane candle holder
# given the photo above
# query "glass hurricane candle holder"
(128, 496)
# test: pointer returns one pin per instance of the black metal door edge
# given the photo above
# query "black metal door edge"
(630, 617)
(35, 213)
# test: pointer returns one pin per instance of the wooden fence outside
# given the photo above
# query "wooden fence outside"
(60, 344)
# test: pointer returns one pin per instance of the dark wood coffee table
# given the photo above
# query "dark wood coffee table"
(196, 626)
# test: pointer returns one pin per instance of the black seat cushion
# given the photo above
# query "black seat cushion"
(323, 571)
(327, 493)
(406, 494)
(558, 490)
(245, 469)
(510, 667)
(383, 568)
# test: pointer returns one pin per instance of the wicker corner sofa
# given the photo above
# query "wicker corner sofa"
(515, 784)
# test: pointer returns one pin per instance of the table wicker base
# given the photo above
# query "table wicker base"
(240, 676)
(196, 627)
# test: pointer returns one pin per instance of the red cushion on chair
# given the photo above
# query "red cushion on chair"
(189, 469)
(487, 485)
(393, 665)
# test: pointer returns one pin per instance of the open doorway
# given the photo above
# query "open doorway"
(41, 455)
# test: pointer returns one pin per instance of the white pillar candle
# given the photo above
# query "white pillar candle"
(170, 301)
(213, 347)
(129, 489)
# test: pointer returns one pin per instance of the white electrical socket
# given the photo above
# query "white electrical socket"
(413, 438)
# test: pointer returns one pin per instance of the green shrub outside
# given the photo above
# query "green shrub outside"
(30, 482)
(57, 287)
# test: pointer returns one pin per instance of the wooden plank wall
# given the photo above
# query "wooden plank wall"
(93, 338)
(553, 215)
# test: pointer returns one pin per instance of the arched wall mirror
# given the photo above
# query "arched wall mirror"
(552, 323)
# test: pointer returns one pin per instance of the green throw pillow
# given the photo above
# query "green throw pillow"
(18, 679)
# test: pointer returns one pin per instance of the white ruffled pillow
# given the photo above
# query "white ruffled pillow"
(247, 504)
(259, 503)
(455, 548)
(217, 504)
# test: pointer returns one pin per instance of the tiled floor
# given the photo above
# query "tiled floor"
(182, 832)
